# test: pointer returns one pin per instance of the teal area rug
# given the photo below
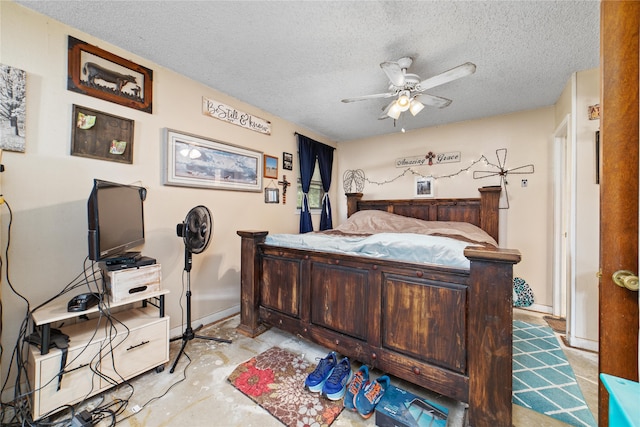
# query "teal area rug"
(542, 377)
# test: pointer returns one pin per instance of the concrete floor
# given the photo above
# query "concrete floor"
(198, 394)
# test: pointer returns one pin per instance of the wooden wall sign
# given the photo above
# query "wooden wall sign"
(224, 112)
(429, 159)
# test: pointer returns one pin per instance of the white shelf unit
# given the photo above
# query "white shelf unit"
(103, 351)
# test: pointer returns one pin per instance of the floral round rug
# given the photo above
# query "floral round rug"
(275, 380)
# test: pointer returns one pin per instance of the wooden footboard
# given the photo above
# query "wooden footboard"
(446, 329)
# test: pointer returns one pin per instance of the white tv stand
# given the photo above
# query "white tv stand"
(101, 353)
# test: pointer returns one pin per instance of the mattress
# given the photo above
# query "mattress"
(384, 235)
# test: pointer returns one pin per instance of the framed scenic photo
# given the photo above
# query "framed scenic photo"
(194, 161)
(270, 167)
(287, 161)
(13, 108)
(424, 187)
(101, 136)
(98, 73)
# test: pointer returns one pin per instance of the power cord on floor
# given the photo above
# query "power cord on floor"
(140, 408)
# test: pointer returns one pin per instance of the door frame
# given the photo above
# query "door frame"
(562, 218)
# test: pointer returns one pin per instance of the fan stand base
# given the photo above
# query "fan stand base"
(189, 332)
(187, 336)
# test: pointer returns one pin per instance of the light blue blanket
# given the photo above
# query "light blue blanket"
(408, 247)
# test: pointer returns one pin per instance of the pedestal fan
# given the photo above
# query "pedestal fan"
(196, 233)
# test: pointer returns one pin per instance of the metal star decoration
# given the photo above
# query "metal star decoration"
(501, 154)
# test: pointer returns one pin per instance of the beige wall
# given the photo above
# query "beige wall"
(563, 104)
(527, 136)
(47, 188)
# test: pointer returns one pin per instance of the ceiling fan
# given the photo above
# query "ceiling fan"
(407, 88)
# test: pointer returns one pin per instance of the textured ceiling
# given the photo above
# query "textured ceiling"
(298, 59)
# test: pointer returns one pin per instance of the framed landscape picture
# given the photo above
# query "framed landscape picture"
(270, 167)
(194, 161)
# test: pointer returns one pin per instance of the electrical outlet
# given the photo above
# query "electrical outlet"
(525, 182)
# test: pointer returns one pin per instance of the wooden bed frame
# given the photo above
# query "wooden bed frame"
(446, 329)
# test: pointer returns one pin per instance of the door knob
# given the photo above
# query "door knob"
(626, 279)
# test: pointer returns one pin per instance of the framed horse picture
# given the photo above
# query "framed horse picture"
(101, 74)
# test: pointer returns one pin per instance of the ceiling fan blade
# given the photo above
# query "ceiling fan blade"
(448, 76)
(393, 72)
(434, 101)
(365, 97)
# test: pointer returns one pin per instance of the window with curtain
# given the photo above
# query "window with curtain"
(316, 192)
(314, 156)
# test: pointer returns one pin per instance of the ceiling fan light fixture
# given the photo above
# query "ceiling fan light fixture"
(403, 101)
(394, 111)
(416, 106)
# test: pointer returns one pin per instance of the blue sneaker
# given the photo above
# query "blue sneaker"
(336, 385)
(360, 379)
(316, 379)
(369, 396)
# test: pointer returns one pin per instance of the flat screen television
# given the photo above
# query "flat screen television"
(116, 219)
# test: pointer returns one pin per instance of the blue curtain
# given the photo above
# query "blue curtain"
(307, 154)
(325, 163)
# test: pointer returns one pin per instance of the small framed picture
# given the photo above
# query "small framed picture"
(270, 167)
(424, 187)
(287, 161)
(271, 195)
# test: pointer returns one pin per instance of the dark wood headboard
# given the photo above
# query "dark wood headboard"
(482, 212)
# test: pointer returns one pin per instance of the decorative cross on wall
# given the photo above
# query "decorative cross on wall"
(284, 184)
(430, 156)
(501, 154)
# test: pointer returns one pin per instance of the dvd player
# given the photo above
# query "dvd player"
(139, 262)
(125, 258)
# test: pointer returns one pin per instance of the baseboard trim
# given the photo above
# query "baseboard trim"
(583, 344)
(539, 308)
(214, 317)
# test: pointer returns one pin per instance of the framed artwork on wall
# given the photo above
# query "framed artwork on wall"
(194, 161)
(101, 136)
(270, 167)
(13, 108)
(424, 187)
(271, 195)
(287, 161)
(101, 74)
